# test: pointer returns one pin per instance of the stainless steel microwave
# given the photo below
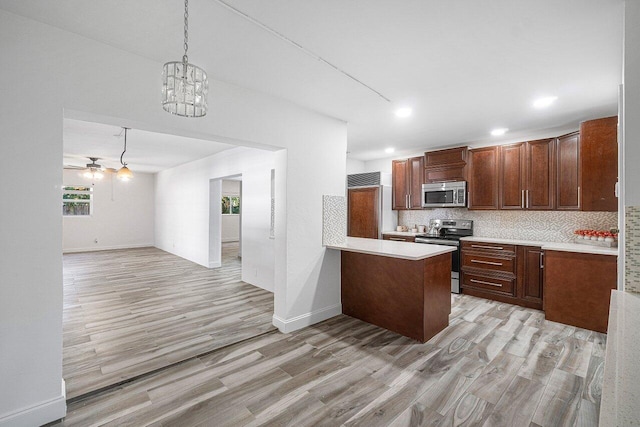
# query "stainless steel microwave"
(444, 195)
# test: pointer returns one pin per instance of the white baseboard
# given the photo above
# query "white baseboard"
(37, 415)
(213, 264)
(106, 248)
(307, 319)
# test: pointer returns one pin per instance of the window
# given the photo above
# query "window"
(77, 201)
(230, 205)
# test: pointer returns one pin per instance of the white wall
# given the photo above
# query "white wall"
(182, 210)
(62, 74)
(122, 214)
(355, 166)
(631, 123)
(231, 222)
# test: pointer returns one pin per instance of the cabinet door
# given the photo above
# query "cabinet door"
(512, 176)
(540, 170)
(599, 164)
(415, 179)
(363, 212)
(483, 178)
(531, 288)
(399, 184)
(568, 172)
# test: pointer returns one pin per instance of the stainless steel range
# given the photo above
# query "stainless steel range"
(448, 232)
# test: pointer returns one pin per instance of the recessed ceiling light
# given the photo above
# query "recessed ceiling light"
(544, 102)
(404, 112)
(389, 150)
(499, 131)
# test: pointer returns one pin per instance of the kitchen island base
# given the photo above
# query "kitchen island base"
(410, 297)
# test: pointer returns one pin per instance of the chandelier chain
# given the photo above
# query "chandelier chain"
(185, 59)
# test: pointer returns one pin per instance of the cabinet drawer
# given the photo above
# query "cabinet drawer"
(499, 285)
(482, 246)
(488, 262)
(398, 238)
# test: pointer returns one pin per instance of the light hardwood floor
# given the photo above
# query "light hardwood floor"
(129, 312)
(495, 365)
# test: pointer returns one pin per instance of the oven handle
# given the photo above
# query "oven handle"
(438, 242)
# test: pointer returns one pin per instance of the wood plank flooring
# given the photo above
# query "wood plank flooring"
(129, 312)
(495, 365)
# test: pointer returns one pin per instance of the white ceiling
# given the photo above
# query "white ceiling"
(465, 66)
(146, 151)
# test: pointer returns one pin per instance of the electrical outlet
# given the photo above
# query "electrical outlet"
(95, 240)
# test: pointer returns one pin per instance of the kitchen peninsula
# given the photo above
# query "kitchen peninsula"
(402, 287)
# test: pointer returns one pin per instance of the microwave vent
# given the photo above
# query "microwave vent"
(363, 179)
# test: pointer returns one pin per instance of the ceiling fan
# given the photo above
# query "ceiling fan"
(92, 170)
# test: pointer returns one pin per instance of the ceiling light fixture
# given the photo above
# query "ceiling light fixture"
(184, 85)
(389, 150)
(499, 131)
(124, 174)
(404, 112)
(93, 170)
(544, 102)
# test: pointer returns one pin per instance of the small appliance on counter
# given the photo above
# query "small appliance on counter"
(448, 232)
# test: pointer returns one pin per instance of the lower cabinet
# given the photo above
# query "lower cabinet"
(578, 288)
(398, 238)
(506, 273)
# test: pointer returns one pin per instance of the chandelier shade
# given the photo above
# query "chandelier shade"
(184, 85)
(184, 89)
(124, 174)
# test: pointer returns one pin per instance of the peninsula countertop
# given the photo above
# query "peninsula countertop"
(392, 249)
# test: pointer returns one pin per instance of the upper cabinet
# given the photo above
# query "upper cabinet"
(407, 183)
(526, 175)
(483, 176)
(445, 165)
(568, 172)
(599, 164)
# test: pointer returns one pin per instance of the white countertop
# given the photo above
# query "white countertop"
(620, 404)
(389, 248)
(404, 233)
(551, 246)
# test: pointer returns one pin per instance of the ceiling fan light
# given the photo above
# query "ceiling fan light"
(124, 174)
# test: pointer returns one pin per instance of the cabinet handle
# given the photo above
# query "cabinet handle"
(499, 248)
(578, 196)
(398, 239)
(477, 261)
(485, 283)
(410, 206)
(522, 202)
(406, 201)
(541, 259)
(527, 198)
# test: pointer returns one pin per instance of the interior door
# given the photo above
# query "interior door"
(363, 212)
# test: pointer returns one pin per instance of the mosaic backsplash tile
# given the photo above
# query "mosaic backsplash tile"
(334, 220)
(632, 249)
(547, 226)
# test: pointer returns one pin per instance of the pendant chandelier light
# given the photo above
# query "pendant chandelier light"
(184, 85)
(124, 174)
(93, 170)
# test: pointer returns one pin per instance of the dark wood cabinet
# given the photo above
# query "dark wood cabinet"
(512, 183)
(599, 164)
(502, 272)
(526, 175)
(568, 172)
(407, 177)
(580, 295)
(362, 212)
(445, 165)
(530, 277)
(398, 238)
(540, 178)
(483, 177)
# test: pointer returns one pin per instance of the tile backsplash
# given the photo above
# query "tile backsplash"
(632, 249)
(334, 219)
(548, 226)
